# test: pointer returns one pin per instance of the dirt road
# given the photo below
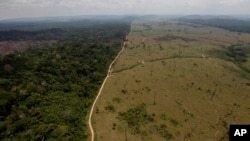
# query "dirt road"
(100, 91)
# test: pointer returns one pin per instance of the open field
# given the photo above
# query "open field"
(176, 82)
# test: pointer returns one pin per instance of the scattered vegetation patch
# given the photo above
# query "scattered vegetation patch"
(114, 126)
(162, 131)
(117, 100)
(110, 108)
(124, 91)
(173, 37)
(234, 53)
(136, 118)
(138, 81)
(238, 54)
(173, 122)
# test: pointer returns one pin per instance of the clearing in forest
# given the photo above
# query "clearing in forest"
(175, 82)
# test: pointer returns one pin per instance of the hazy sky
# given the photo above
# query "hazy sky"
(37, 8)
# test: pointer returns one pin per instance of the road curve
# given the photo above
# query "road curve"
(100, 91)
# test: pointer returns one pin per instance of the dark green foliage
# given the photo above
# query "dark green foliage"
(124, 91)
(46, 92)
(16, 35)
(136, 117)
(81, 29)
(6, 100)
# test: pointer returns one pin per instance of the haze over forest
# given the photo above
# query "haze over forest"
(44, 8)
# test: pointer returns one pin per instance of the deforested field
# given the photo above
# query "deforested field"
(176, 81)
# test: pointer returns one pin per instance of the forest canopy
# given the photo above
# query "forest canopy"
(234, 25)
(46, 92)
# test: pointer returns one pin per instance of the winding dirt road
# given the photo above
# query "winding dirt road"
(100, 91)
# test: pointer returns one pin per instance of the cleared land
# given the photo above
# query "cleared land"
(176, 82)
(8, 47)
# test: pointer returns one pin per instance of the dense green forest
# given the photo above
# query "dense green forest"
(235, 25)
(46, 92)
(85, 29)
